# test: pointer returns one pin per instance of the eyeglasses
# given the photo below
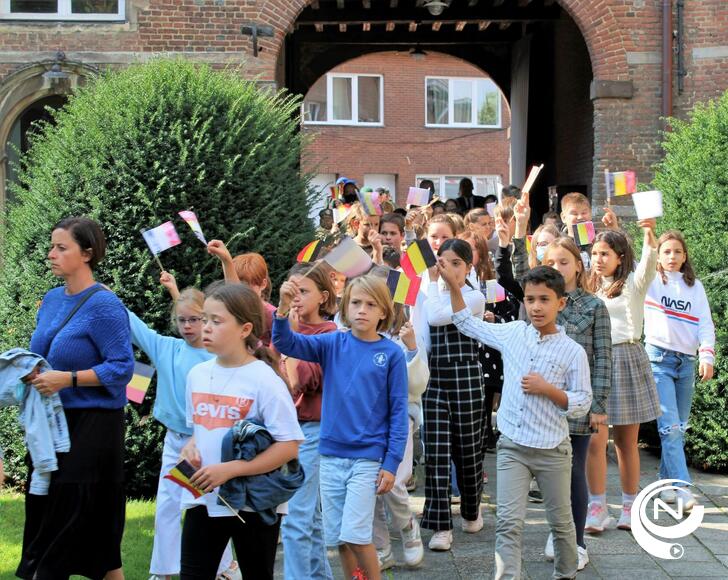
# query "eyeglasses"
(191, 320)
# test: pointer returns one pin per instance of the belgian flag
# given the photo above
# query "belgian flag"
(403, 288)
(310, 252)
(417, 258)
(181, 475)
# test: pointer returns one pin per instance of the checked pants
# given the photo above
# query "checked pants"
(454, 418)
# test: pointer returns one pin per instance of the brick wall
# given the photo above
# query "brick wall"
(404, 146)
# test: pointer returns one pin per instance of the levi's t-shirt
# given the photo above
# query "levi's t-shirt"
(218, 397)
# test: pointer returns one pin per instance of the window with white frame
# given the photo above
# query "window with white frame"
(462, 102)
(448, 186)
(97, 10)
(345, 99)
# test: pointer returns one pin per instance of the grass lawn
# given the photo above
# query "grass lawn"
(136, 548)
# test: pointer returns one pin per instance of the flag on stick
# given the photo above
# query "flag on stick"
(341, 212)
(584, 233)
(402, 288)
(417, 258)
(494, 292)
(348, 258)
(310, 252)
(370, 202)
(529, 241)
(181, 475)
(193, 222)
(139, 383)
(161, 238)
(418, 196)
(535, 170)
(620, 182)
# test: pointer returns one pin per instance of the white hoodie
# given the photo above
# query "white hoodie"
(677, 317)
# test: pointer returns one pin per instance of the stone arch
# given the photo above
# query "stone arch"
(27, 86)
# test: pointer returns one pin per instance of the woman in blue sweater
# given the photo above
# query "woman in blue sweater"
(77, 527)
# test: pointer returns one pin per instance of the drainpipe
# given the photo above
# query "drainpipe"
(666, 58)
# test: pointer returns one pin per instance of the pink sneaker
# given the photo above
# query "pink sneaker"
(625, 520)
(598, 518)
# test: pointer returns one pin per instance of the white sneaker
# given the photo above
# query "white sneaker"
(386, 559)
(668, 495)
(474, 526)
(598, 518)
(583, 558)
(441, 541)
(687, 497)
(232, 573)
(548, 550)
(625, 520)
(414, 552)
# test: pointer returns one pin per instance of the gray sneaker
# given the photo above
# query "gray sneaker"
(414, 552)
(386, 559)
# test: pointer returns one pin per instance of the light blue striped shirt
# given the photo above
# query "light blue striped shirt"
(534, 420)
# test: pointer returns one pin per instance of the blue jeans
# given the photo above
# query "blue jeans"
(675, 378)
(304, 553)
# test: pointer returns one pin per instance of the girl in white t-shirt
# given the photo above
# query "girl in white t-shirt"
(241, 383)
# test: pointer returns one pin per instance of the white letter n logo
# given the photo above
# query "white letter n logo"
(658, 504)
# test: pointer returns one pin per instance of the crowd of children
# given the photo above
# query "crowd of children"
(547, 329)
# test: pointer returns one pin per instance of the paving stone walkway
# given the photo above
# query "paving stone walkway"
(614, 554)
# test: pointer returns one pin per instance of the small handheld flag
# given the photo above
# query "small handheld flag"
(535, 170)
(418, 196)
(139, 383)
(348, 258)
(620, 182)
(161, 238)
(370, 202)
(494, 292)
(529, 241)
(584, 233)
(193, 222)
(310, 252)
(417, 258)
(490, 208)
(647, 204)
(181, 475)
(341, 212)
(402, 288)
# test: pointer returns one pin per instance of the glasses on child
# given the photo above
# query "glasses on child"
(181, 320)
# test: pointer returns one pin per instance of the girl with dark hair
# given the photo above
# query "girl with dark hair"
(453, 404)
(633, 396)
(586, 320)
(242, 382)
(304, 549)
(678, 328)
(83, 332)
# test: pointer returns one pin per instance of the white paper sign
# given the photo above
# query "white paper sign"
(647, 204)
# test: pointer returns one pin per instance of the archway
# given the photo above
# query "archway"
(534, 50)
(24, 98)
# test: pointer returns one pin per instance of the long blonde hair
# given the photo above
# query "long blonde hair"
(375, 287)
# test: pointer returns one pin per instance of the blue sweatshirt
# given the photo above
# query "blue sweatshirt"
(96, 338)
(173, 358)
(364, 409)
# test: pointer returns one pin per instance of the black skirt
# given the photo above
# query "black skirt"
(77, 528)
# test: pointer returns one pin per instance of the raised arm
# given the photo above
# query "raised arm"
(218, 248)
(647, 267)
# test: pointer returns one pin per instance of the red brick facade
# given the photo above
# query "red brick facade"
(623, 39)
(404, 146)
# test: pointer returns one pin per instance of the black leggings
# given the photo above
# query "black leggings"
(579, 490)
(204, 540)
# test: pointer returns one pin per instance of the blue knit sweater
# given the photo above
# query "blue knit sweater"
(97, 337)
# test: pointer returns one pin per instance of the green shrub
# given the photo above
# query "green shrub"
(132, 150)
(694, 180)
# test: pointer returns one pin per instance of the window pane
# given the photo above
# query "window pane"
(452, 186)
(486, 185)
(342, 98)
(369, 99)
(462, 101)
(314, 106)
(94, 6)
(487, 95)
(434, 178)
(34, 6)
(437, 101)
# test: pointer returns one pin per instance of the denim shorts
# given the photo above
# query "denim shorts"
(348, 497)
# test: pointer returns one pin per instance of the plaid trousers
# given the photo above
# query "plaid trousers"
(453, 406)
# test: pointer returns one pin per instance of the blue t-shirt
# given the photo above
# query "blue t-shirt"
(173, 358)
(96, 338)
(364, 408)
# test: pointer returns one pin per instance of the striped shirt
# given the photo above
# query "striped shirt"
(534, 420)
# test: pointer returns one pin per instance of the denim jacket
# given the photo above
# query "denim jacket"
(265, 492)
(42, 418)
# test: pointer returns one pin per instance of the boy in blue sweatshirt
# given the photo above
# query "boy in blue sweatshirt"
(364, 419)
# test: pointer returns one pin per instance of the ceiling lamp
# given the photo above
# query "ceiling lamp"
(436, 7)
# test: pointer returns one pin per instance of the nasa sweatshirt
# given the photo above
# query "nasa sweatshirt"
(677, 317)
